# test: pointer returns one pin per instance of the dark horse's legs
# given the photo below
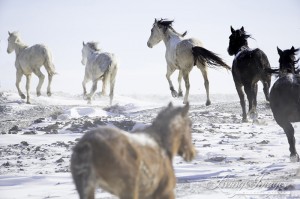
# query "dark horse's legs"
(289, 131)
(266, 85)
(242, 100)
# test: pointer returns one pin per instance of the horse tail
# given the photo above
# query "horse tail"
(271, 71)
(205, 56)
(81, 166)
(48, 63)
(113, 69)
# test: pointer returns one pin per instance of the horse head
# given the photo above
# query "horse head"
(174, 132)
(287, 60)
(13, 39)
(87, 48)
(157, 31)
(237, 39)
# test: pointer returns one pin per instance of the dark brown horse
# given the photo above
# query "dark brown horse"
(285, 97)
(248, 68)
(133, 165)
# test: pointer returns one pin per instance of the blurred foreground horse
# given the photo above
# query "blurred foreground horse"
(29, 60)
(134, 165)
(98, 65)
(285, 96)
(182, 54)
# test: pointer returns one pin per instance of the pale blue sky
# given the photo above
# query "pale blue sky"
(123, 27)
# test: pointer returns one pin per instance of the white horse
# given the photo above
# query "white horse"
(182, 54)
(99, 65)
(30, 60)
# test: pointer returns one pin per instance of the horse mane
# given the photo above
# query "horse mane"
(167, 24)
(93, 46)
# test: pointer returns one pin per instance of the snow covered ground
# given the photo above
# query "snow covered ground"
(235, 160)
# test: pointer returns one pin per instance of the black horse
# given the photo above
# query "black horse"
(285, 96)
(248, 68)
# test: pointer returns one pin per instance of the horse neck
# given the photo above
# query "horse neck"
(171, 38)
(161, 134)
(19, 47)
(92, 53)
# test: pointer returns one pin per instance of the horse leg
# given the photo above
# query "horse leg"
(49, 93)
(289, 131)
(249, 90)
(41, 77)
(85, 80)
(28, 78)
(19, 75)
(266, 85)
(112, 85)
(203, 70)
(242, 100)
(104, 83)
(179, 84)
(187, 86)
(170, 71)
(93, 90)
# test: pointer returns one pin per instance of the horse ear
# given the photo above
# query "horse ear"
(185, 109)
(170, 105)
(155, 20)
(293, 49)
(9, 33)
(232, 30)
(279, 51)
(83, 43)
(242, 29)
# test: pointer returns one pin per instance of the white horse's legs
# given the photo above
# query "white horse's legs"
(93, 90)
(170, 71)
(203, 70)
(85, 80)
(179, 83)
(49, 93)
(19, 75)
(112, 84)
(187, 85)
(41, 77)
(104, 83)
(28, 78)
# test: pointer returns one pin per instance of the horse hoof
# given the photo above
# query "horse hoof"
(244, 120)
(180, 94)
(22, 96)
(38, 94)
(294, 158)
(28, 103)
(49, 94)
(208, 103)
(174, 94)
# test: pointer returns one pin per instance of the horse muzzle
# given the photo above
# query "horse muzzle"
(149, 45)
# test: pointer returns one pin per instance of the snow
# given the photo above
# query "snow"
(233, 159)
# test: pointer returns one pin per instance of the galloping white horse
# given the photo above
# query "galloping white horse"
(30, 60)
(99, 65)
(183, 54)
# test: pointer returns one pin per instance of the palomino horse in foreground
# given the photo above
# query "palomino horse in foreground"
(285, 97)
(134, 165)
(99, 65)
(29, 60)
(182, 54)
(248, 68)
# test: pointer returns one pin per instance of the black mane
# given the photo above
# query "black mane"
(167, 24)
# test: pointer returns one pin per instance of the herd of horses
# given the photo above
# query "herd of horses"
(139, 164)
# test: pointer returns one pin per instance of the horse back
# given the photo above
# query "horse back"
(249, 65)
(285, 98)
(184, 56)
(33, 56)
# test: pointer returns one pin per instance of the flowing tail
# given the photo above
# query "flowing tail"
(203, 55)
(48, 63)
(81, 167)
